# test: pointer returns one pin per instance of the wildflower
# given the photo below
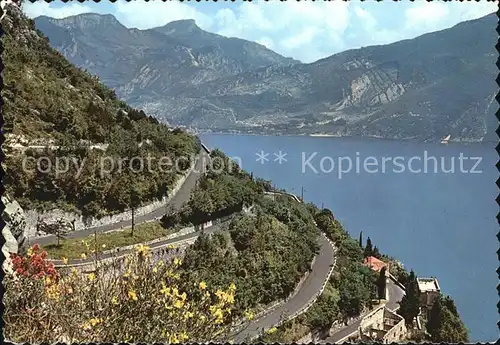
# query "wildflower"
(183, 336)
(249, 315)
(232, 287)
(52, 292)
(177, 261)
(91, 277)
(132, 295)
(271, 330)
(83, 256)
(203, 285)
(165, 290)
(65, 260)
(30, 252)
(179, 304)
(36, 247)
(114, 300)
(155, 269)
(142, 250)
(172, 339)
(95, 321)
(188, 315)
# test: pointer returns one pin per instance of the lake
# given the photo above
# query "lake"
(431, 206)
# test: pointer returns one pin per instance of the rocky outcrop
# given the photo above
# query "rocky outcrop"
(15, 225)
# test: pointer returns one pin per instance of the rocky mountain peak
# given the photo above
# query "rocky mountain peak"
(84, 21)
(179, 26)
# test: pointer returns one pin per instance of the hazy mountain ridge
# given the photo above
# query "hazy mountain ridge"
(424, 88)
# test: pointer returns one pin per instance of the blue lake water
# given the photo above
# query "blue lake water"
(438, 224)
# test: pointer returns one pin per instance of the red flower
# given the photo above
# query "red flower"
(19, 270)
(36, 247)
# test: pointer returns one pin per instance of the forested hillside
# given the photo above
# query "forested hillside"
(50, 101)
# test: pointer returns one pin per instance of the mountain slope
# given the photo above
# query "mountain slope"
(147, 64)
(50, 102)
(423, 89)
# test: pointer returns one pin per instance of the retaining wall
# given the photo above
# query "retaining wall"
(81, 223)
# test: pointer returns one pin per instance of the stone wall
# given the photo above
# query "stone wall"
(398, 330)
(80, 222)
(375, 319)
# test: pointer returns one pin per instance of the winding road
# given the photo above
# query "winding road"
(310, 288)
(182, 195)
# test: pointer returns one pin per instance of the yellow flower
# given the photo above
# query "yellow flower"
(91, 276)
(30, 252)
(183, 296)
(177, 261)
(183, 336)
(132, 295)
(94, 322)
(74, 271)
(172, 339)
(271, 330)
(232, 287)
(188, 315)
(203, 318)
(65, 260)
(155, 269)
(179, 304)
(83, 256)
(165, 290)
(203, 285)
(53, 292)
(249, 315)
(142, 250)
(114, 300)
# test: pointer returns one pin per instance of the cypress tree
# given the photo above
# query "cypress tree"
(434, 321)
(410, 303)
(381, 283)
(376, 253)
(368, 249)
(361, 239)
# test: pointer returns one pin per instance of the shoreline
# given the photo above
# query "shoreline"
(329, 136)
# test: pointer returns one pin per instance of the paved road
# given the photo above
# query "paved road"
(308, 290)
(164, 243)
(176, 202)
(395, 295)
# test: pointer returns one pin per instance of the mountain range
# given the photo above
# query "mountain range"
(441, 83)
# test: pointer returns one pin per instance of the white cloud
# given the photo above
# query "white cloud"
(426, 15)
(303, 30)
(41, 8)
(267, 42)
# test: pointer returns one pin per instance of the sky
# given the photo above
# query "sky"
(305, 30)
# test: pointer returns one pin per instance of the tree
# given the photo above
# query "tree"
(59, 229)
(376, 253)
(444, 323)
(368, 249)
(361, 239)
(410, 303)
(381, 283)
